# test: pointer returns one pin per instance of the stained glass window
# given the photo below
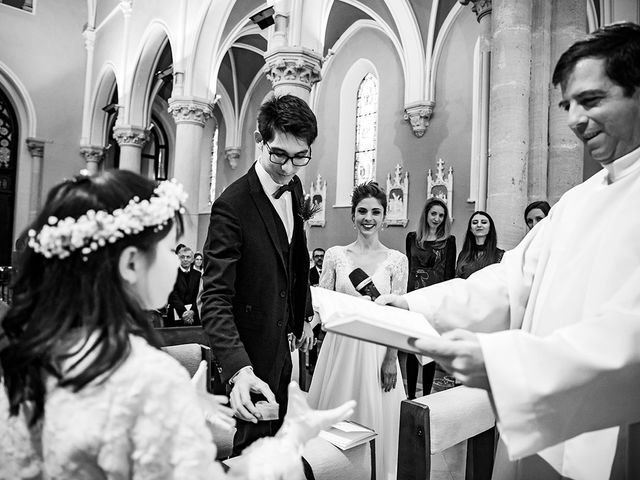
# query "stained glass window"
(214, 166)
(364, 166)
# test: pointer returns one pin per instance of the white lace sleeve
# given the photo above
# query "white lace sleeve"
(399, 273)
(328, 276)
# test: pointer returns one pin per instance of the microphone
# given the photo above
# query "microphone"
(363, 283)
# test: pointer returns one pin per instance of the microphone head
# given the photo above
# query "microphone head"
(357, 277)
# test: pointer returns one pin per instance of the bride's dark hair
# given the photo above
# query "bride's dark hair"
(57, 302)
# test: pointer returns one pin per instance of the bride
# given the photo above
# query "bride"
(354, 369)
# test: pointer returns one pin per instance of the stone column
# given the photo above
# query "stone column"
(131, 139)
(191, 115)
(482, 9)
(566, 152)
(293, 70)
(93, 156)
(509, 118)
(539, 101)
(36, 149)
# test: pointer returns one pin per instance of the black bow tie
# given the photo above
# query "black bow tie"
(283, 188)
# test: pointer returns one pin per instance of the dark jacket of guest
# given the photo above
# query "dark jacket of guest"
(185, 292)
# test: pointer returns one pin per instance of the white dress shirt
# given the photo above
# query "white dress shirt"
(283, 205)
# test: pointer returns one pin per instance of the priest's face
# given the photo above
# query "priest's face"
(600, 112)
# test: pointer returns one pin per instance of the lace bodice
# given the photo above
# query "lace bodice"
(389, 277)
(142, 423)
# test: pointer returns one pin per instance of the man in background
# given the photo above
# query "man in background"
(183, 310)
(316, 270)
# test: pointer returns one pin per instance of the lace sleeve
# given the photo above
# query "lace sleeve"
(399, 274)
(328, 275)
(168, 436)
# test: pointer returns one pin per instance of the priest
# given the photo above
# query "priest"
(553, 331)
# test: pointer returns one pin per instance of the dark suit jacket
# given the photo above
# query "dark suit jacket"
(314, 276)
(185, 292)
(246, 297)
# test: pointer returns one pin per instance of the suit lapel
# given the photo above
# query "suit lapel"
(264, 207)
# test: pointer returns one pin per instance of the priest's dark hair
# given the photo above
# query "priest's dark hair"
(617, 44)
(287, 114)
(368, 190)
(59, 303)
(471, 251)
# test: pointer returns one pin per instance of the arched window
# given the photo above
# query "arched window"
(155, 158)
(364, 165)
(214, 166)
(8, 168)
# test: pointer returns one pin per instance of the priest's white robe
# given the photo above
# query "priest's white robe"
(564, 361)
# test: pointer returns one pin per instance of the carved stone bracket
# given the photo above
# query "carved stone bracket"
(480, 7)
(296, 66)
(232, 154)
(190, 110)
(130, 135)
(93, 156)
(36, 147)
(419, 115)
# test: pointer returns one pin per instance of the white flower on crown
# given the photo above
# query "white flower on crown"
(93, 230)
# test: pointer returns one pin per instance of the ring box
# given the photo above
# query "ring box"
(268, 411)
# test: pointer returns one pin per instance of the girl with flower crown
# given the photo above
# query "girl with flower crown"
(85, 392)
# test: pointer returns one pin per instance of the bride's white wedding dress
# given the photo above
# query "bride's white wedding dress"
(350, 369)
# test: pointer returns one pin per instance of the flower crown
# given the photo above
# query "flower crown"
(93, 230)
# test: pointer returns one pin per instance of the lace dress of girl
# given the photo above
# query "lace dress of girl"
(350, 369)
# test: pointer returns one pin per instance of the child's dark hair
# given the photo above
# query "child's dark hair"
(56, 300)
(287, 114)
(368, 190)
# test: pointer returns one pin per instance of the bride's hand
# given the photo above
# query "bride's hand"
(389, 372)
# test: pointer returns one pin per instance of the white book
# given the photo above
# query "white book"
(360, 318)
(346, 435)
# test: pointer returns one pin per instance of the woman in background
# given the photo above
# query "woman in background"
(432, 259)
(197, 262)
(535, 212)
(353, 369)
(479, 250)
(480, 246)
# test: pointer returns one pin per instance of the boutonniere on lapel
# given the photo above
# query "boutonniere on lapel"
(307, 208)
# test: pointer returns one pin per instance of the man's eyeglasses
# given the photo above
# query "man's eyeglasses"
(280, 158)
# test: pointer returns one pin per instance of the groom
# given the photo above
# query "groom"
(256, 269)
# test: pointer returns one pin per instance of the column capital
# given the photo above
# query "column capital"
(418, 115)
(232, 154)
(126, 6)
(191, 110)
(93, 155)
(480, 7)
(89, 35)
(130, 135)
(297, 66)
(36, 146)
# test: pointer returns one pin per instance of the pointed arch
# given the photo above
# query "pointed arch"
(106, 85)
(137, 97)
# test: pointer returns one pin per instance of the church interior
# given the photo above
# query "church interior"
(171, 89)
(445, 98)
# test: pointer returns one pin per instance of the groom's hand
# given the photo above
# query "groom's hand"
(245, 383)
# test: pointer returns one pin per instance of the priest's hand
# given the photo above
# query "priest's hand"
(244, 383)
(459, 353)
(393, 300)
